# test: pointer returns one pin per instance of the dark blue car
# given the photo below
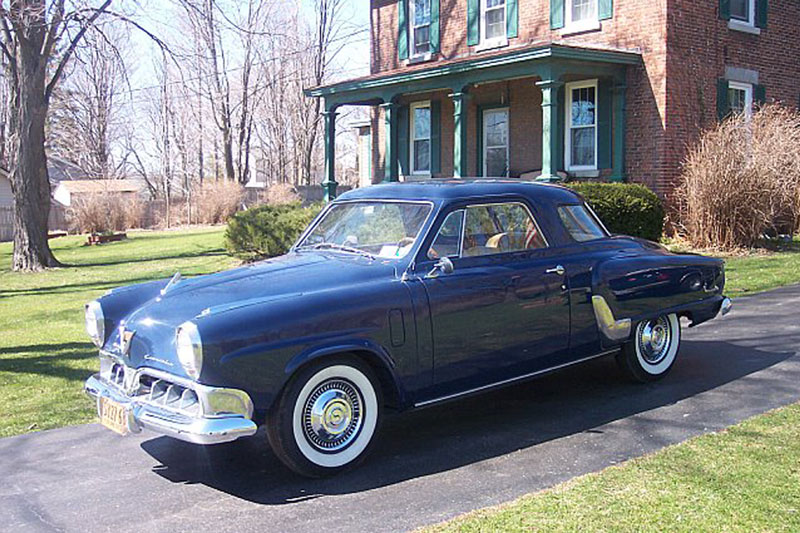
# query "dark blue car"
(397, 296)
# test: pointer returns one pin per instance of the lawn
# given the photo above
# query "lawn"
(746, 478)
(45, 354)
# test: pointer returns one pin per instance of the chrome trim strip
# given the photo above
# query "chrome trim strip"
(613, 329)
(512, 380)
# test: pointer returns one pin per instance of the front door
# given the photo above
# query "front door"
(504, 310)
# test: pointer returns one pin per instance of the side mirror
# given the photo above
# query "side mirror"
(442, 266)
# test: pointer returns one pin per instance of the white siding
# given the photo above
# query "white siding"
(6, 199)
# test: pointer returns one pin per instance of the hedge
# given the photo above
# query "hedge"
(267, 230)
(625, 208)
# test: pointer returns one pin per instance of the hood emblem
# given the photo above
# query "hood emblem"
(125, 338)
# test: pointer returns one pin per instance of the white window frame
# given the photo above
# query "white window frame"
(747, 88)
(568, 88)
(497, 41)
(575, 26)
(412, 134)
(751, 15)
(411, 27)
(485, 145)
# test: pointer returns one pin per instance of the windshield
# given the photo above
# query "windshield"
(375, 228)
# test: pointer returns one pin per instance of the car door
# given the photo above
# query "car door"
(504, 309)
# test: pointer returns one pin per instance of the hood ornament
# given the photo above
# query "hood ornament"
(172, 282)
(125, 338)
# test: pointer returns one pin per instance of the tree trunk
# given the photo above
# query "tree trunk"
(29, 180)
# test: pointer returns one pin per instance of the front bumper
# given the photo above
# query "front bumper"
(190, 425)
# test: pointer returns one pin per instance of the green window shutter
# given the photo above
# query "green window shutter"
(436, 137)
(759, 94)
(723, 105)
(434, 26)
(402, 29)
(556, 14)
(725, 9)
(473, 21)
(762, 6)
(604, 132)
(512, 19)
(605, 9)
(403, 140)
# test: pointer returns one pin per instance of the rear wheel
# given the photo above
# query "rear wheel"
(649, 356)
(327, 417)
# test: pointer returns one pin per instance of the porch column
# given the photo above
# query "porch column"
(460, 117)
(329, 183)
(390, 132)
(618, 155)
(550, 134)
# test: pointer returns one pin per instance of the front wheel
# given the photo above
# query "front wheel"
(327, 417)
(649, 356)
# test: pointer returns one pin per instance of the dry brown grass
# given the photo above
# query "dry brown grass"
(742, 181)
(104, 212)
(216, 201)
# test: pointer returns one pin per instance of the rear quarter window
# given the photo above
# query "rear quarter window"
(581, 223)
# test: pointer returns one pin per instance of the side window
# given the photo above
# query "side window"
(500, 228)
(448, 241)
(581, 223)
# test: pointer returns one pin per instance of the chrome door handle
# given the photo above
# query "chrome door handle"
(559, 269)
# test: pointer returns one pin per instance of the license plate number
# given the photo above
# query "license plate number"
(113, 416)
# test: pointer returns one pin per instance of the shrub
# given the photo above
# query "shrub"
(742, 180)
(216, 201)
(625, 208)
(281, 194)
(267, 230)
(104, 213)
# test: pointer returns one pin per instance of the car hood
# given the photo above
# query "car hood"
(154, 322)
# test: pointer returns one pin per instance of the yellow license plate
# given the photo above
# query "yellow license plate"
(113, 416)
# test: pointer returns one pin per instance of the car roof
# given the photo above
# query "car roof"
(455, 189)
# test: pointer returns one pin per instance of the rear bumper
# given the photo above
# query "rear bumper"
(143, 415)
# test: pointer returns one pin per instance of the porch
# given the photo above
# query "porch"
(543, 112)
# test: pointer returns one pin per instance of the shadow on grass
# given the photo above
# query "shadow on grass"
(48, 365)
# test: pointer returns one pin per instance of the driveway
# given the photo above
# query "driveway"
(431, 465)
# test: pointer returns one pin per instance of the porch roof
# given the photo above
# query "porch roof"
(548, 61)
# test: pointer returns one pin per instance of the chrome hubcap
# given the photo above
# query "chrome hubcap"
(654, 339)
(332, 415)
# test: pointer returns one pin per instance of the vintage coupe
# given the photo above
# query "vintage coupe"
(397, 296)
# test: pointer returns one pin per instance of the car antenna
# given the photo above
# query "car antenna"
(172, 282)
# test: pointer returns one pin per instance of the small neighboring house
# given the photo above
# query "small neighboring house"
(6, 208)
(614, 90)
(6, 196)
(67, 191)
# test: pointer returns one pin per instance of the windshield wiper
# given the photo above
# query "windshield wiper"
(334, 246)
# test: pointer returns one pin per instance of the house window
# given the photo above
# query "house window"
(581, 14)
(493, 20)
(743, 11)
(420, 27)
(495, 143)
(740, 97)
(421, 138)
(581, 119)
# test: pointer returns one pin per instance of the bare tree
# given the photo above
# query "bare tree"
(36, 35)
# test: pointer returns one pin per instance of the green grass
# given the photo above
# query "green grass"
(45, 354)
(746, 478)
(760, 272)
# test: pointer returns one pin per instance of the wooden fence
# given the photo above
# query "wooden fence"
(6, 223)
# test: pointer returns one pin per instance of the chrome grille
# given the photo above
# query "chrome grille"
(155, 391)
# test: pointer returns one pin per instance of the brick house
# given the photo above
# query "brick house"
(550, 89)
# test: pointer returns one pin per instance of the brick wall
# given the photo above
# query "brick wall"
(684, 45)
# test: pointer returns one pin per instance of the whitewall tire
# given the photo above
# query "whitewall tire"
(651, 353)
(327, 417)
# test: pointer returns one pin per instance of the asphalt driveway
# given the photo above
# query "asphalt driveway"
(431, 465)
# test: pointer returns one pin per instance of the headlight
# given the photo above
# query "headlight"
(95, 323)
(190, 349)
